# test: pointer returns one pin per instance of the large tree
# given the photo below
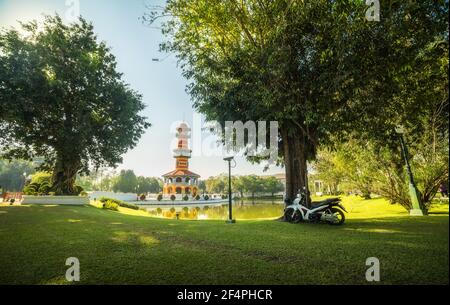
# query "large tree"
(319, 67)
(62, 98)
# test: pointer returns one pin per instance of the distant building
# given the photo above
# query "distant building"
(181, 181)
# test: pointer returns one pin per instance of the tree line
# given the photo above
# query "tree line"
(243, 186)
(126, 181)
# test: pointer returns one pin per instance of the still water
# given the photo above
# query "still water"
(247, 209)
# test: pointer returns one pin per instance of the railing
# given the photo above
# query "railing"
(8, 196)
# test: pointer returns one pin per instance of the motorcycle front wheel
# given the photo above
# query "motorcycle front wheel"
(338, 217)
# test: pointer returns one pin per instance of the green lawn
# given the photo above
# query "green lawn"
(128, 247)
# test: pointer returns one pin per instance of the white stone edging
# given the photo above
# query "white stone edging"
(57, 200)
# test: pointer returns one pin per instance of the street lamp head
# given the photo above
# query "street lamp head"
(229, 159)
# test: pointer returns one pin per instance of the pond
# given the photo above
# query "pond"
(246, 209)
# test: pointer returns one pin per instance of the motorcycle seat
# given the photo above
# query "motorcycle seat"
(317, 204)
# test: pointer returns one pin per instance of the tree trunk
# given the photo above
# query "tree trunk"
(295, 152)
(64, 175)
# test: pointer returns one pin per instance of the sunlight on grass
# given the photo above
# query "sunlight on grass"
(74, 220)
(359, 208)
(134, 238)
(375, 230)
(124, 247)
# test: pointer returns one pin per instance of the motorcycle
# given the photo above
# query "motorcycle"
(328, 211)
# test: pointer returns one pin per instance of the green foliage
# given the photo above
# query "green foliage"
(107, 180)
(349, 168)
(40, 184)
(367, 168)
(61, 98)
(185, 197)
(148, 185)
(160, 197)
(126, 182)
(119, 203)
(31, 189)
(202, 186)
(41, 178)
(251, 184)
(111, 205)
(173, 197)
(216, 185)
(272, 185)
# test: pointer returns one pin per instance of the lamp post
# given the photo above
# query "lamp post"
(230, 206)
(413, 193)
(24, 179)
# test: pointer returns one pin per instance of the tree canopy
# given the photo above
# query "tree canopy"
(319, 67)
(62, 98)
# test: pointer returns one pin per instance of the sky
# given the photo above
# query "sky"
(161, 83)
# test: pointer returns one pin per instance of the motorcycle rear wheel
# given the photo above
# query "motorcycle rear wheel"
(289, 214)
(339, 217)
(292, 216)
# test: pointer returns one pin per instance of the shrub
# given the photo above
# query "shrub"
(197, 197)
(119, 203)
(12, 200)
(172, 210)
(224, 196)
(40, 184)
(160, 197)
(110, 205)
(173, 197)
(206, 197)
(129, 205)
(142, 197)
(31, 189)
(159, 211)
(41, 178)
(186, 198)
(44, 188)
(83, 193)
